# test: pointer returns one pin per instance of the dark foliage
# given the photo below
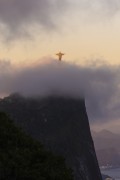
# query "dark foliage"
(22, 158)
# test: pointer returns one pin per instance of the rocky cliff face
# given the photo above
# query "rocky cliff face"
(61, 124)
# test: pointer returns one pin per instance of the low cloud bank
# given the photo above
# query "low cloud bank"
(99, 84)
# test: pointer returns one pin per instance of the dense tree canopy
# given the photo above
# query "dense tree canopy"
(22, 158)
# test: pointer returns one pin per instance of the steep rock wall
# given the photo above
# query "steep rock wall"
(61, 124)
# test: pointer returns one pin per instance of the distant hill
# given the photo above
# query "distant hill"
(107, 146)
(61, 124)
(106, 134)
(108, 157)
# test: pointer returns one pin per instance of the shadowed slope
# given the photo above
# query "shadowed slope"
(61, 124)
(22, 158)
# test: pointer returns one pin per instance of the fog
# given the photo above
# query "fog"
(98, 83)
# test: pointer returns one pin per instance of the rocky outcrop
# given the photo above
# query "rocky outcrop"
(61, 124)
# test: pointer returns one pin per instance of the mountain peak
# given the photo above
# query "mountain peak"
(61, 124)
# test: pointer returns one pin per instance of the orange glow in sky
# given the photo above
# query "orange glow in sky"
(83, 34)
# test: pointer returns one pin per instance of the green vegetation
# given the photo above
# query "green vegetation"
(22, 158)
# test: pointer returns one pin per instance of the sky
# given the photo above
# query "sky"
(82, 29)
(33, 31)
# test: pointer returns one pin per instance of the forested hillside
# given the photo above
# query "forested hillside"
(22, 158)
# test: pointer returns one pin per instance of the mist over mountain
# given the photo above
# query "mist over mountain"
(98, 83)
(59, 79)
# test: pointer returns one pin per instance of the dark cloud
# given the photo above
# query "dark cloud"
(17, 17)
(99, 84)
(20, 18)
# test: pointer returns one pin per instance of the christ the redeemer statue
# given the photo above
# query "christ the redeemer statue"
(60, 55)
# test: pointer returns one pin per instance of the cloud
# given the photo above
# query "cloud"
(99, 83)
(22, 18)
(97, 10)
(17, 17)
